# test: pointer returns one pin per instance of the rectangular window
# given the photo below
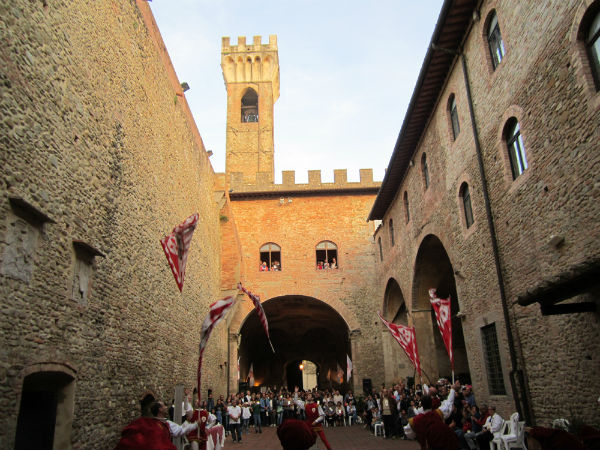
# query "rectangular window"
(492, 360)
(468, 208)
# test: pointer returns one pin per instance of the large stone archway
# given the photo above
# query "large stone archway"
(301, 328)
(433, 269)
(397, 365)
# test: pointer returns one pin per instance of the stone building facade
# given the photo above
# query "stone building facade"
(100, 159)
(321, 315)
(491, 197)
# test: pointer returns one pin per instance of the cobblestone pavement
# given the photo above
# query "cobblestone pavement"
(340, 438)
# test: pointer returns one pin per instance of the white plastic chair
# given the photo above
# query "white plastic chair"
(496, 442)
(379, 427)
(511, 432)
(518, 441)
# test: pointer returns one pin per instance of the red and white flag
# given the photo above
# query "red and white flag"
(216, 312)
(348, 367)
(405, 336)
(259, 310)
(177, 245)
(443, 317)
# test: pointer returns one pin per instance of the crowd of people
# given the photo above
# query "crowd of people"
(441, 416)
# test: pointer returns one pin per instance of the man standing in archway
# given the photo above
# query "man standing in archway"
(314, 416)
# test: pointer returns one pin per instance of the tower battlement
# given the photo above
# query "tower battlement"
(243, 47)
(263, 184)
(251, 63)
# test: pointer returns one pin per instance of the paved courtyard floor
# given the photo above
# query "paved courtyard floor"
(340, 438)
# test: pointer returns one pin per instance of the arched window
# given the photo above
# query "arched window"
(516, 149)
(326, 253)
(380, 249)
(270, 257)
(406, 210)
(494, 38)
(425, 170)
(589, 33)
(250, 106)
(392, 232)
(453, 116)
(467, 208)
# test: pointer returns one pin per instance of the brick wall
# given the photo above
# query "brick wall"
(543, 82)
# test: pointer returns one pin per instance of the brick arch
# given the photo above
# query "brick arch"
(429, 242)
(393, 296)
(246, 308)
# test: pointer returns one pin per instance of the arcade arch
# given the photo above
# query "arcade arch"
(433, 269)
(394, 310)
(301, 328)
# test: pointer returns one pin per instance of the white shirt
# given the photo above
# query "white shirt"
(493, 423)
(234, 413)
(181, 430)
(445, 408)
(246, 412)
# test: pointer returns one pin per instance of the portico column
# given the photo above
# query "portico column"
(355, 336)
(232, 367)
(421, 320)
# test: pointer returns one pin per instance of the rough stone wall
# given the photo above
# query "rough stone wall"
(94, 135)
(297, 227)
(543, 81)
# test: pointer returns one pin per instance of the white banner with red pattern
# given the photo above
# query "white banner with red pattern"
(442, 308)
(406, 337)
(216, 312)
(176, 246)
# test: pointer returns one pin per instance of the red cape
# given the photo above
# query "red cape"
(146, 433)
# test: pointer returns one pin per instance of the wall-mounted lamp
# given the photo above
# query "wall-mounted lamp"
(301, 366)
(209, 153)
(411, 163)
(185, 86)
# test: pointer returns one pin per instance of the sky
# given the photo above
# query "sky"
(347, 73)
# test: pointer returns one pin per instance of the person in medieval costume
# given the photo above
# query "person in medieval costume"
(197, 437)
(429, 427)
(314, 416)
(153, 432)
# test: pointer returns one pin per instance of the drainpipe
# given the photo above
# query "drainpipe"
(517, 378)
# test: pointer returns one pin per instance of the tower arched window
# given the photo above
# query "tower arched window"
(589, 33)
(465, 196)
(494, 38)
(516, 149)
(327, 255)
(425, 170)
(270, 257)
(392, 232)
(250, 106)
(406, 210)
(452, 109)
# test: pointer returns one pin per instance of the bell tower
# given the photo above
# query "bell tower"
(251, 74)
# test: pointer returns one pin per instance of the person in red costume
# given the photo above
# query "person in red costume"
(314, 416)
(296, 435)
(197, 438)
(429, 427)
(152, 432)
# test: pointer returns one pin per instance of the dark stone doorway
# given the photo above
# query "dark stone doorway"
(301, 328)
(433, 269)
